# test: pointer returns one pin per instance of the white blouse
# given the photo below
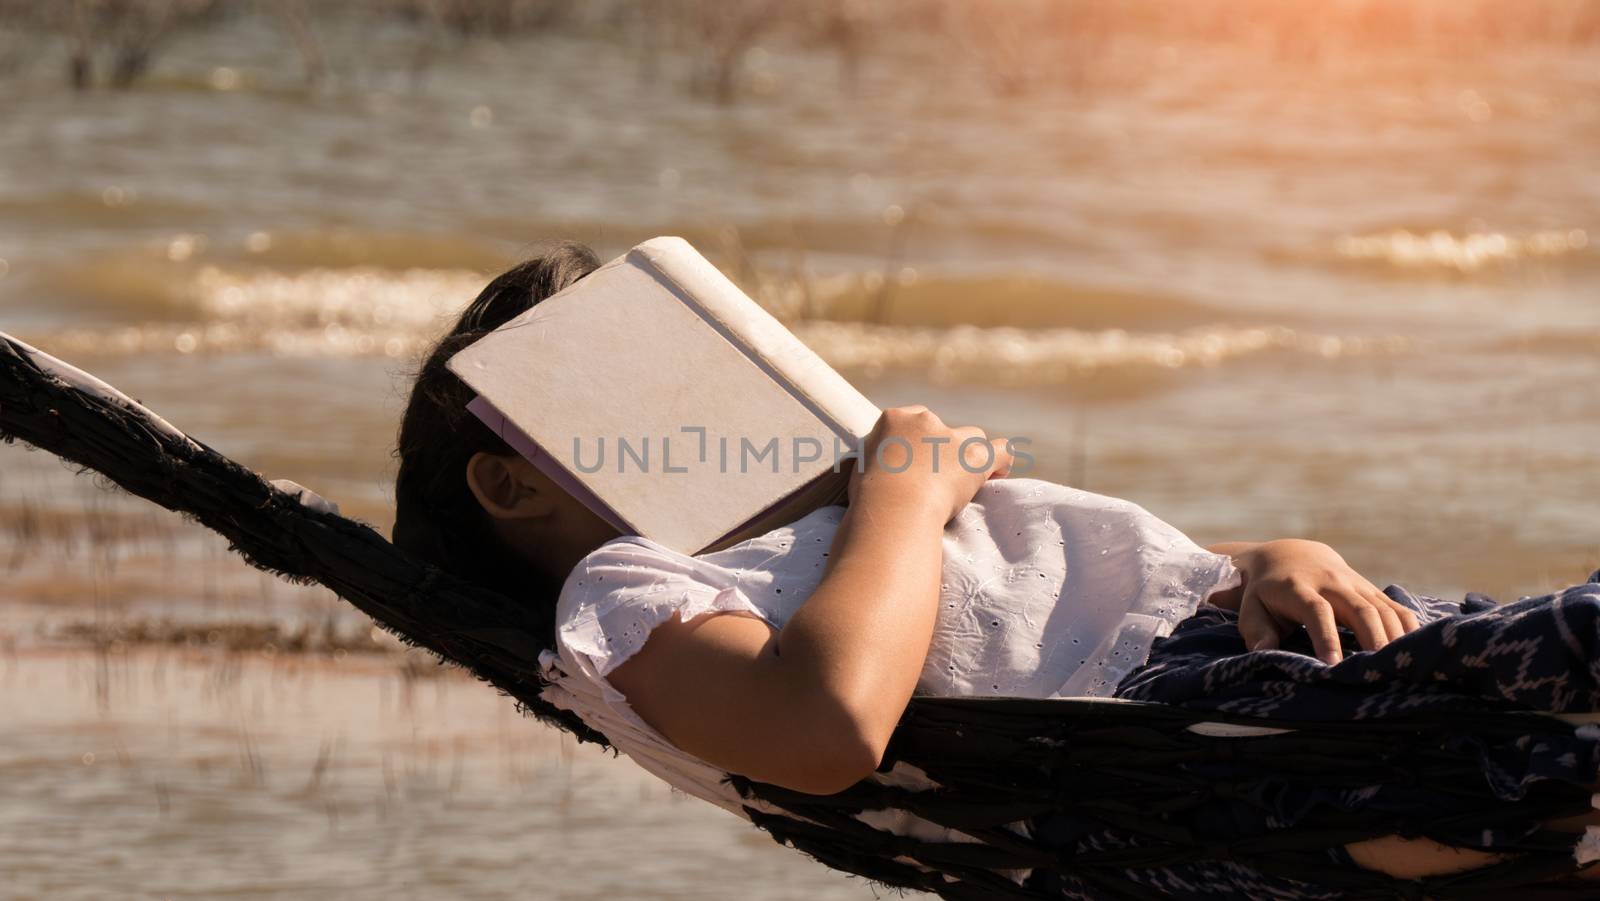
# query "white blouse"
(1047, 592)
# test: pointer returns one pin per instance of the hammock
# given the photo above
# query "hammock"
(1116, 764)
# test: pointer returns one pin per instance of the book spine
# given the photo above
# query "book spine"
(785, 358)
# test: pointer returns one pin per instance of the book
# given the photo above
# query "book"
(669, 402)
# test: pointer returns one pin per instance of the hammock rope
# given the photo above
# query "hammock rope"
(993, 762)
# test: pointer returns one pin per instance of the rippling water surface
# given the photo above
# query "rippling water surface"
(1360, 304)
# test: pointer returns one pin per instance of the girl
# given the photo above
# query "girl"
(790, 657)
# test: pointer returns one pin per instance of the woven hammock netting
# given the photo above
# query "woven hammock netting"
(1116, 765)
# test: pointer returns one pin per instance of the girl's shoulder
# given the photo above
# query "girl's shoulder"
(619, 593)
(626, 587)
(630, 569)
(623, 556)
(631, 565)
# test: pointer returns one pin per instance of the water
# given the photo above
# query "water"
(207, 776)
(1353, 301)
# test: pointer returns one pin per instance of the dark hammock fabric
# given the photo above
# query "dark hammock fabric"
(1536, 654)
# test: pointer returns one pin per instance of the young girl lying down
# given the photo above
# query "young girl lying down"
(790, 657)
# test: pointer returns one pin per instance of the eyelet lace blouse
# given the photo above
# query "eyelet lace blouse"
(1047, 592)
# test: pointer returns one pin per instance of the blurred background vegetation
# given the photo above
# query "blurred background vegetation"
(1020, 45)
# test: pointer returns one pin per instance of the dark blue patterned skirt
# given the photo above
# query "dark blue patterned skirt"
(1538, 654)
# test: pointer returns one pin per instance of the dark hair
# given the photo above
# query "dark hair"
(436, 516)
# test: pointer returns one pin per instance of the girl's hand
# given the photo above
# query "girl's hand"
(912, 457)
(1291, 583)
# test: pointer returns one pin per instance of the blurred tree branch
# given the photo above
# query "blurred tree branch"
(1016, 47)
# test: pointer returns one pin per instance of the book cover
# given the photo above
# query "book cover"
(672, 404)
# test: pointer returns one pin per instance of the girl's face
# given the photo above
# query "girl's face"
(539, 521)
(573, 528)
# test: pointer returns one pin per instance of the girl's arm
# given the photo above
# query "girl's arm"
(1291, 583)
(812, 708)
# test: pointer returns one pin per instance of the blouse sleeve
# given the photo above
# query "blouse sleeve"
(619, 593)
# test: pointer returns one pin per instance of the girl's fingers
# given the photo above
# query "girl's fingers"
(1408, 617)
(1405, 615)
(1361, 616)
(1392, 622)
(1313, 611)
(1387, 608)
(1256, 625)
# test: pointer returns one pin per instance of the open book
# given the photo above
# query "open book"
(669, 402)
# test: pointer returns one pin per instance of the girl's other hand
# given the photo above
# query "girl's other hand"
(1291, 583)
(912, 457)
